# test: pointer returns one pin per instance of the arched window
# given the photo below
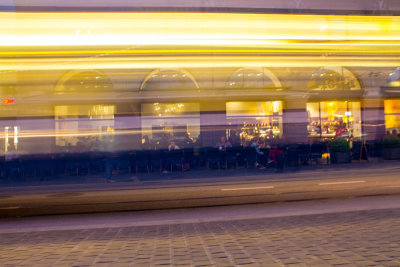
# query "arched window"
(333, 78)
(86, 81)
(169, 79)
(80, 127)
(163, 122)
(255, 78)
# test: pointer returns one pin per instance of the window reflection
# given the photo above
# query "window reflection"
(392, 116)
(79, 128)
(332, 119)
(252, 120)
(163, 122)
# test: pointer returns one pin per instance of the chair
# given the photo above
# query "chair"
(123, 163)
(203, 156)
(12, 168)
(293, 156)
(29, 167)
(304, 154)
(316, 152)
(45, 166)
(71, 165)
(213, 157)
(251, 156)
(156, 159)
(189, 158)
(95, 163)
(142, 160)
(176, 157)
(231, 157)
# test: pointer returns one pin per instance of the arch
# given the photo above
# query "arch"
(93, 77)
(181, 74)
(333, 78)
(260, 78)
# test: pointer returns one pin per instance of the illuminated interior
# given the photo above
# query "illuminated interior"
(173, 121)
(392, 115)
(251, 120)
(326, 118)
(82, 118)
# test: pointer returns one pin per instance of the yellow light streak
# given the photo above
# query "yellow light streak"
(147, 40)
(363, 48)
(70, 133)
(193, 62)
(100, 29)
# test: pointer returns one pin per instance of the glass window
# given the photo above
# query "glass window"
(392, 116)
(249, 120)
(332, 119)
(82, 125)
(162, 122)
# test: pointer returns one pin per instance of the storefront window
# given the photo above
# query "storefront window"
(163, 122)
(249, 120)
(80, 127)
(332, 119)
(392, 116)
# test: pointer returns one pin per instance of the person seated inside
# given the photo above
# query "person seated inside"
(341, 131)
(276, 155)
(167, 160)
(173, 146)
(223, 144)
(261, 159)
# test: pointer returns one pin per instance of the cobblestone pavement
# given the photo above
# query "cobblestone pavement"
(360, 238)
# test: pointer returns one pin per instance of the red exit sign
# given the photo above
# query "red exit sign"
(8, 101)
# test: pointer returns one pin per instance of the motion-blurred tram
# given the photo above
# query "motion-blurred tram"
(75, 82)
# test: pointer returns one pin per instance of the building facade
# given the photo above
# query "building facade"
(70, 80)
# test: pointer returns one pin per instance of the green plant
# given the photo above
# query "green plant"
(391, 141)
(340, 145)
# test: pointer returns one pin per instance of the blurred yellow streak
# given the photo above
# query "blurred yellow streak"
(99, 29)
(42, 41)
(353, 48)
(193, 62)
(70, 133)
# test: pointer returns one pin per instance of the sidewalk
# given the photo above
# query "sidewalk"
(347, 232)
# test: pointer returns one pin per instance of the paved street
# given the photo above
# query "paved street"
(344, 232)
(181, 193)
